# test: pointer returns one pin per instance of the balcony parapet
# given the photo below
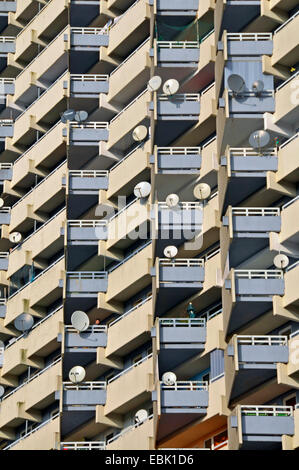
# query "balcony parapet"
(92, 445)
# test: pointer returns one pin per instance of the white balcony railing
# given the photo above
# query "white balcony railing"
(183, 322)
(90, 329)
(249, 36)
(87, 223)
(89, 31)
(87, 275)
(84, 386)
(256, 211)
(259, 340)
(190, 385)
(178, 44)
(92, 445)
(182, 205)
(266, 410)
(179, 97)
(259, 273)
(286, 22)
(178, 150)
(249, 152)
(88, 173)
(181, 262)
(89, 78)
(88, 125)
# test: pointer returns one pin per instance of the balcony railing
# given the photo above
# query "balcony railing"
(89, 78)
(84, 386)
(128, 106)
(290, 202)
(88, 125)
(178, 150)
(93, 445)
(90, 329)
(87, 275)
(37, 374)
(249, 152)
(189, 385)
(249, 36)
(131, 255)
(88, 173)
(127, 58)
(266, 410)
(181, 262)
(256, 211)
(259, 273)
(130, 311)
(129, 428)
(179, 97)
(32, 431)
(259, 340)
(90, 31)
(123, 372)
(178, 44)
(183, 322)
(286, 22)
(87, 223)
(182, 205)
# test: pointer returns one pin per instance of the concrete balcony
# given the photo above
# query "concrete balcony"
(251, 362)
(289, 223)
(87, 341)
(247, 294)
(50, 63)
(18, 405)
(129, 277)
(130, 330)
(134, 167)
(260, 427)
(248, 44)
(5, 171)
(34, 297)
(181, 106)
(87, 133)
(123, 124)
(136, 384)
(178, 340)
(85, 284)
(4, 257)
(88, 38)
(180, 404)
(29, 350)
(127, 80)
(285, 46)
(5, 215)
(39, 201)
(136, 437)
(86, 395)
(177, 160)
(86, 232)
(44, 24)
(246, 231)
(87, 86)
(87, 182)
(6, 129)
(174, 8)
(47, 238)
(243, 171)
(176, 54)
(176, 280)
(43, 437)
(290, 299)
(40, 115)
(288, 167)
(131, 29)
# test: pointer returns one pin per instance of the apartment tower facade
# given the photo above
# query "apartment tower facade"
(149, 224)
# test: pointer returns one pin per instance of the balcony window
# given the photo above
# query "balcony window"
(217, 441)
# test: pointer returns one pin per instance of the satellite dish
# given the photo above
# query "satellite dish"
(81, 116)
(258, 87)
(24, 322)
(172, 200)
(154, 83)
(77, 374)
(281, 261)
(68, 115)
(107, 25)
(15, 237)
(169, 378)
(140, 416)
(80, 320)
(1, 202)
(259, 139)
(171, 87)
(236, 83)
(170, 252)
(202, 191)
(142, 189)
(2, 391)
(139, 133)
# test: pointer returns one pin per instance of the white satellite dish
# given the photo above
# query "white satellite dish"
(259, 139)
(257, 87)
(80, 320)
(2, 391)
(15, 237)
(81, 116)
(68, 115)
(172, 200)
(1, 202)
(169, 378)
(236, 83)
(141, 416)
(139, 133)
(154, 83)
(171, 87)
(202, 191)
(77, 374)
(170, 252)
(142, 189)
(24, 322)
(281, 261)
